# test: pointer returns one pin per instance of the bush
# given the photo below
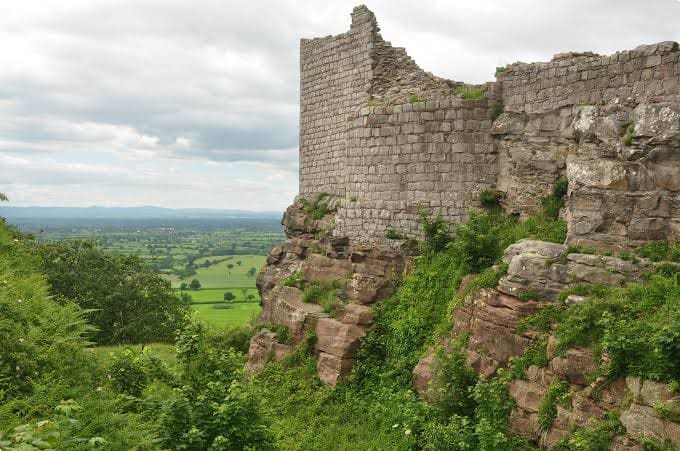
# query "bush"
(317, 208)
(125, 299)
(294, 280)
(436, 232)
(127, 374)
(491, 198)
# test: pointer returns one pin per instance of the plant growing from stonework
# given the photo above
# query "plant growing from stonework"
(295, 280)
(628, 128)
(317, 208)
(491, 198)
(469, 92)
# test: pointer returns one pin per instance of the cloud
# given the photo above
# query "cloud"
(129, 99)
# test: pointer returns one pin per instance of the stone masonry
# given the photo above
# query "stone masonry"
(388, 139)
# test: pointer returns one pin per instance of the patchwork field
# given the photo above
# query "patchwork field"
(220, 275)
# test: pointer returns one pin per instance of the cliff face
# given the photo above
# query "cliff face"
(381, 140)
(323, 285)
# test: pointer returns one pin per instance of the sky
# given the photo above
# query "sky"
(194, 103)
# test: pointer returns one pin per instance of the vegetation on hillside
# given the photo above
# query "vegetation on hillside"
(133, 399)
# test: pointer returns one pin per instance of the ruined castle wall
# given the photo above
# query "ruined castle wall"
(335, 75)
(569, 117)
(436, 155)
(648, 74)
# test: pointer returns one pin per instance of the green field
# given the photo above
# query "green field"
(217, 279)
(239, 313)
(220, 276)
(217, 294)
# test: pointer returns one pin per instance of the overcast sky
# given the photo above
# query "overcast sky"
(194, 103)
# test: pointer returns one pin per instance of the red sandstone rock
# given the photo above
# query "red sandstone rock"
(331, 368)
(338, 339)
(263, 349)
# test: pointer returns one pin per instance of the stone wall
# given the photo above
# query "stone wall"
(387, 138)
(435, 155)
(648, 74)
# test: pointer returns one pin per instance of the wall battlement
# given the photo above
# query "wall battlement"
(387, 138)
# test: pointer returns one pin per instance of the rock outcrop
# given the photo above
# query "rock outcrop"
(312, 255)
(489, 318)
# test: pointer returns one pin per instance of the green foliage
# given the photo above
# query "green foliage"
(457, 434)
(3, 197)
(229, 296)
(324, 294)
(658, 251)
(454, 381)
(651, 444)
(628, 130)
(413, 98)
(497, 110)
(294, 280)
(553, 203)
(596, 436)
(127, 374)
(536, 354)
(62, 431)
(392, 234)
(491, 198)
(469, 92)
(558, 393)
(436, 232)
(638, 327)
(195, 284)
(529, 295)
(317, 208)
(127, 301)
(37, 334)
(210, 409)
(500, 70)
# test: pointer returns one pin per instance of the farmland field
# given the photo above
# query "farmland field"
(223, 255)
(221, 276)
(239, 313)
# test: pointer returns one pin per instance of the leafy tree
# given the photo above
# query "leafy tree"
(251, 272)
(229, 296)
(250, 297)
(230, 266)
(184, 286)
(125, 299)
(239, 262)
(3, 198)
(195, 285)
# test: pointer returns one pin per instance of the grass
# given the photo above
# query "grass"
(239, 313)
(213, 295)
(219, 276)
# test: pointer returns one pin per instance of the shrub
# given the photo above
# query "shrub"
(491, 198)
(294, 280)
(597, 435)
(553, 203)
(126, 373)
(558, 393)
(392, 234)
(496, 110)
(324, 294)
(454, 381)
(317, 208)
(436, 232)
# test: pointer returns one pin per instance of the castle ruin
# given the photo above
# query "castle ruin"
(387, 139)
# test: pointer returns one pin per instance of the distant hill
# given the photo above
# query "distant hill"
(43, 213)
